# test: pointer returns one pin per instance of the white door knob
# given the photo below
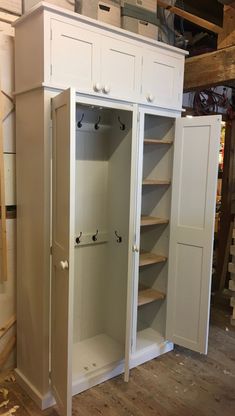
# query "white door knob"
(106, 89)
(135, 249)
(150, 98)
(64, 265)
(97, 87)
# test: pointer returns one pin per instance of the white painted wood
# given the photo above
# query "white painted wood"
(75, 56)
(191, 231)
(63, 208)
(162, 79)
(120, 68)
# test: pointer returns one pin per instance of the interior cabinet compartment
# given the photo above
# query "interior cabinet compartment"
(154, 231)
(103, 174)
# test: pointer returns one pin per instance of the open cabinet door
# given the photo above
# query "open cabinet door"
(63, 206)
(133, 256)
(194, 185)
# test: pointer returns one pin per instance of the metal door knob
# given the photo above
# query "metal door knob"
(64, 265)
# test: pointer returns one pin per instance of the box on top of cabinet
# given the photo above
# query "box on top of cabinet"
(140, 26)
(150, 5)
(105, 11)
(139, 19)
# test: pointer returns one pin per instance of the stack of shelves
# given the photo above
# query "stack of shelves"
(154, 229)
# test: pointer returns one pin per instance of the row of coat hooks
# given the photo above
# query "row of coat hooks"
(97, 124)
(95, 237)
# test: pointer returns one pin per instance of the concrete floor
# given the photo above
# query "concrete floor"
(180, 383)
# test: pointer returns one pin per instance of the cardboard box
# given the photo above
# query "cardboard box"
(140, 26)
(105, 11)
(150, 5)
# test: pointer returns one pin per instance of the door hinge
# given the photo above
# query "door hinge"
(51, 34)
(51, 69)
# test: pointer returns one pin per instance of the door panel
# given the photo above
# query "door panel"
(63, 206)
(162, 80)
(120, 69)
(194, 186)
(75, 56)
(133, 255)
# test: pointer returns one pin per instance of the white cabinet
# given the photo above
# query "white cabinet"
(130, 204)
(162, 79)
(121, 225)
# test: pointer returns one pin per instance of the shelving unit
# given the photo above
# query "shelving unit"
(148, 220)
(150, 258)
(148, 295)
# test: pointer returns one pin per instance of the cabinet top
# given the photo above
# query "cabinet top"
(43, 6)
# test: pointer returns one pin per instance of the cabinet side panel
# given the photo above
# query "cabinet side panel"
(29, 60)
(33, 240)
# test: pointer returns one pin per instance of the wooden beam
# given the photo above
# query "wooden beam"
(190, 17)
(209, 69)
(3, 230)
(7, 17)
(227, 35)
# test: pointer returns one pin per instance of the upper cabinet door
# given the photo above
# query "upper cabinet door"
(120, 69)
(63, 206)
(192, 230)
(75, 56)
(162, 79)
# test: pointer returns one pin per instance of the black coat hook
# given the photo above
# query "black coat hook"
(122, 125)
(79, 123)
(97, 123)
(94, 237)
(118, 237)
(78, 239)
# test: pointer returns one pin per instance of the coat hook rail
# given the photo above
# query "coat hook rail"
(122, 125)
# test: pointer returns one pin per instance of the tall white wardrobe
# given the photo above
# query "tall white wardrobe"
(116, 199)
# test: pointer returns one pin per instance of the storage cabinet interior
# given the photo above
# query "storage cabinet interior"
(154, 230)
(103, 176)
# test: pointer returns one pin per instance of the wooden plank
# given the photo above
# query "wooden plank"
(157, 141)
(232, 250)
(209, 69)
(149, 295)
(147, 220)
(150, 258)
(190, 17)
(7, 326)
(227, 35)
(155, 182)
(7, 17)
(7, 350)
(3, 231)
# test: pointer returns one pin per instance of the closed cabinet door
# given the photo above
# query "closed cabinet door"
(196, 155)
(75, 57)
(162, 80)
(120, 69)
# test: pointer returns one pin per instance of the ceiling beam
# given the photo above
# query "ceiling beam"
(190, 17)
(209, 69)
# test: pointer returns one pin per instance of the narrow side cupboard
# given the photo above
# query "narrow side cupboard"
(115, 205)
(132, 220)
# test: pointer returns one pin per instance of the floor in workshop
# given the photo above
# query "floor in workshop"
(180, 383)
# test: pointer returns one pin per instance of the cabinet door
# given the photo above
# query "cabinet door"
(63, 182)
(120, 69)
(162, 80)
(194, 186)
(75, 56)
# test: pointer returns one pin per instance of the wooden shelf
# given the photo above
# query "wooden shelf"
(148, 295)
(150, 258)
(155, 182)
(153, 141)
(146, 220)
